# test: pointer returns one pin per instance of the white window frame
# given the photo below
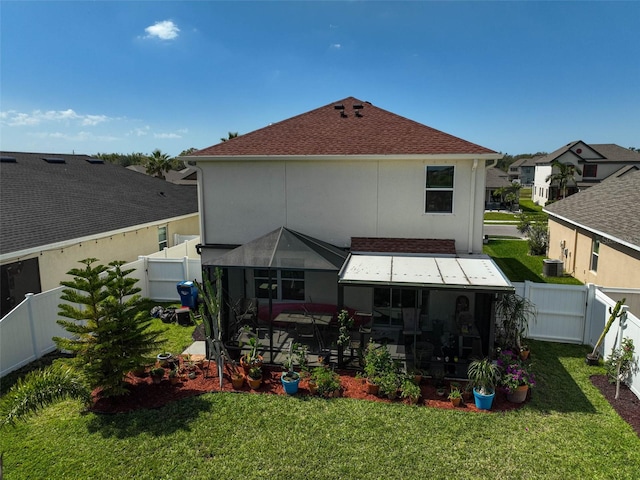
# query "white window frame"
(595, 254)
(162, 244)
(277, 281)
(439, 189)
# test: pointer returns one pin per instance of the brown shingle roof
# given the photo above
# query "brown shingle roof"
(403, 245)
(328, 131)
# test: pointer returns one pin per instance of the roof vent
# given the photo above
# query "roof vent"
(357, 106)
(4, 159)
(95, 161)
(54, 160)
(342, 114)
(358, 114)
(339, 106)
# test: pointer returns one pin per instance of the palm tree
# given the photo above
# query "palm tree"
(562, 174)
(158, 163)
(231, 135)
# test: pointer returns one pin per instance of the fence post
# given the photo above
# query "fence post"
(588, 313)
(185, 268)
(34, 338)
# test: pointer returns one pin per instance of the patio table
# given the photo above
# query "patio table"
(318, 319)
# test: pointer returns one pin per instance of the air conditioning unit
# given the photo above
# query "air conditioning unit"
(552, 268)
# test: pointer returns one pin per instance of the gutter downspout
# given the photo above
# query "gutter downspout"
(472, 195)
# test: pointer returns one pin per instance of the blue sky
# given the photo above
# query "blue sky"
(516, 77)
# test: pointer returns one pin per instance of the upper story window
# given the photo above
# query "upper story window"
(162, 238)
(439, 189)
(285, 284)
(595, 254)
(590, 171)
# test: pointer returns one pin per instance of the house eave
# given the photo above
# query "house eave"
(342, 158)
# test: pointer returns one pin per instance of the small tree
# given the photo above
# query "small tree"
(538, 238)
(110, 336)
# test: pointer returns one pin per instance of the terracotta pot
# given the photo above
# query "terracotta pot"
(372, 388)
(174, 380)
(313, 387)
(519, 395)
(456, 401)
(524, 354)
(253, 383)
(248, 366)
(237, 380)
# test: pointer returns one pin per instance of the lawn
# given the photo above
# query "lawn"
(567, 430)
(512, 256)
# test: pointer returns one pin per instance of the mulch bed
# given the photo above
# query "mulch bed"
(627, 405)
(145, 394)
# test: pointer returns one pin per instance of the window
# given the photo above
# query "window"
(285, 284)
(439, 189)
(389, 302)
(595, 253)
(162, 238)
(590, 171)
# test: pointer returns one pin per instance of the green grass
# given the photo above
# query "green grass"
(512, 256)
(567, 430)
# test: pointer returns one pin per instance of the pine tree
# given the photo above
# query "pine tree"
(110, 335)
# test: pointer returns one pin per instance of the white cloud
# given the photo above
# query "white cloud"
(140, 132)
(13, 118)
(336, 46)
(166, 135)
(165, 30)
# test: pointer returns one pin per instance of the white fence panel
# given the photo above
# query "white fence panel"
(560, 311)
(165, 273)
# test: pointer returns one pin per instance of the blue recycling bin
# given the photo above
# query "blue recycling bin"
(188, 294)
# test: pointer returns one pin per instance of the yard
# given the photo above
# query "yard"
(567, 430)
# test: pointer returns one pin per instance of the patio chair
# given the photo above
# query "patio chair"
(410, 317)
(306, 331)
(246, 311)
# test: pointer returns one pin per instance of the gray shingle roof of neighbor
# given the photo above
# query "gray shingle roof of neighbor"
(610, 152)
(43, 203)
(611, 208)
(497, 178)
(344, 127)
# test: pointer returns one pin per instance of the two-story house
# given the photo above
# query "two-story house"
(523, 170)
(592, 164)
(352, 206)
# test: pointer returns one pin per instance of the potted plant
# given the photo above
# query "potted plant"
(164, 358)
(517, 378)
(251, 358)
(389, 384)
(514, 313)
(290, 379)
(484, 376)
(377, 362)
(254, 377)
(157, 374)
(410, 390)
(174, 377)
(327, 381)
(455, 397)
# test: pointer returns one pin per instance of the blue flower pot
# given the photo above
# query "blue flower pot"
(483, 402)
(290, 386)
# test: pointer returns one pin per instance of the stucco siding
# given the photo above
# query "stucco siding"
(335, 200)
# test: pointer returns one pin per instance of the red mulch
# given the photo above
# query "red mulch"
(627, 405)
(145, 394)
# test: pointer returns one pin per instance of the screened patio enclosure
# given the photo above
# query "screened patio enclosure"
(283, 271)
(438, 309)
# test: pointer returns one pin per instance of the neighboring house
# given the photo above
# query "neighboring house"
(186, 176)
(497, 183)
(523, 170)
(350, 205)
(58, 209)
(596, 233)
(596, 162)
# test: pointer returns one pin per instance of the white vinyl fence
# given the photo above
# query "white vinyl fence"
(26, 331)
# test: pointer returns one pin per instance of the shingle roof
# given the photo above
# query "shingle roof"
(497, 178)
(44, 203)
(611, 208)
(610, 152)
(403, 245)
(328, 131)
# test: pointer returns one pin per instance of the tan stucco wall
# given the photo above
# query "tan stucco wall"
(335, 200)
(124, 245)
(617, 266)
